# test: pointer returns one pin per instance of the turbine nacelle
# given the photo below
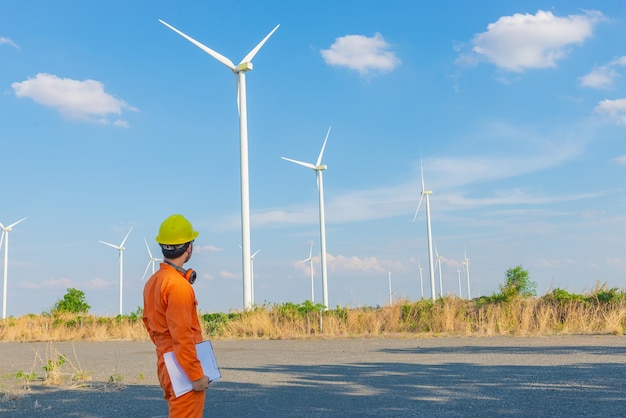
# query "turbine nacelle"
(243, 67)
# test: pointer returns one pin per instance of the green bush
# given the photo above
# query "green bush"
(73, 302)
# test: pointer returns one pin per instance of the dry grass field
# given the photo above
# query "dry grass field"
(603, 312)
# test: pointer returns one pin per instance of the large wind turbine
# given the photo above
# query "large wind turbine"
(310, 260)
(458, 272)
(431, 269)
(5, 237)
(121, 249)
(152, 261)
(319, 167)
(240, 76)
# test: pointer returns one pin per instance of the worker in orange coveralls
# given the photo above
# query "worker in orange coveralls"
(171, 318)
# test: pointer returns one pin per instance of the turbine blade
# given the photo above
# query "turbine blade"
(111, 245)
(311, 251)
(146, 270)
(257, 251)
(252, 53)
(319, 159)
(1, 238)
(205, 48)
(422, 170)
(126, 237)
(307, 165)
(418, 208)
(14, 223)
(148, 248)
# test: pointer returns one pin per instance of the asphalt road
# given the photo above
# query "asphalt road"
(567, 376)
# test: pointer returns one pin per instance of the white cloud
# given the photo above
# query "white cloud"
(615, 110)
(621, 160)
(229, 275)
(360, 53)
(7, 41)
(526, 41)
(98, 283)
(82, 100)
(604, 76)
(365, 264)
(207, 248)
(63, 282)
(618, 263)
(599, 78)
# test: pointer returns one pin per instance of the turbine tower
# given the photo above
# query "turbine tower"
(319, 167)
(152, 261)
(431, 269)
(240, 76)
(5, 237)
(121, 249)
(458, 272)
(310, 260)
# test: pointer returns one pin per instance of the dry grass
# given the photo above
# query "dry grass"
(71, 327)
(446, 316)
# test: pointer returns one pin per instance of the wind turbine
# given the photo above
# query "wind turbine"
(240, 76)
(121, 249)
(319, 167)
(389, 278)
(252, 273)
(439, 267)
(310, 260)
(458, 272)
(421, 280)
(5, 237)
(152, 261)
(467, 275)
(431, 269)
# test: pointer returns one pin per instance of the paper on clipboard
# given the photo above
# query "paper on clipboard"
(180, 382)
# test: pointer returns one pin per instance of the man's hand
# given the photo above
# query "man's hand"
(200, 384)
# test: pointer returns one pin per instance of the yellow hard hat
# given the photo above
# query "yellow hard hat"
(176, 230)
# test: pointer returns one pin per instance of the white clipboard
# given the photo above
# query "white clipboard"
(180, 382)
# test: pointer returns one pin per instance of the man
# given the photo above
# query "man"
(171, 318)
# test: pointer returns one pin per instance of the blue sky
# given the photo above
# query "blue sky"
(111, 121)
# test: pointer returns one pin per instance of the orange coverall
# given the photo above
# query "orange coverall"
(171, 318)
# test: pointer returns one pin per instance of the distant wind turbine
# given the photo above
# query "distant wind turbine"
(389, 279)
(421, 280)
(458, 272)
(121, 249)
(467, 275)
(319, 167)
(431, 269)
(310, 260)
(240, 76)
(5, 237)
(152, 261)
(252, 273)
(439, 267)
